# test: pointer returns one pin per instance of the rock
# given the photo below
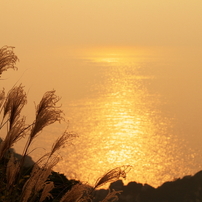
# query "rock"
(130, 192)
(187, 189)
(117, 185)
(99, 195)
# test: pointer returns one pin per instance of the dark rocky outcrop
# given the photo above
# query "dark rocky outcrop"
(187, 189)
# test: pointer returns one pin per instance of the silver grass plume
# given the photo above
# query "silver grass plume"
(15, 101)
(83, 193)
(65, 138)
(7, 59)
(112, 175)
(2, 97)
(46, 191)
(37, 181)
(12, 170)
(79, 193)
(111, 196)
(14, 134)
(47, 113)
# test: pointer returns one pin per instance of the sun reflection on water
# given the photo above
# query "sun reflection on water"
(119, 123)
(118, 55)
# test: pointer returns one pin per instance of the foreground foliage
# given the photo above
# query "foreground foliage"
(37, 182)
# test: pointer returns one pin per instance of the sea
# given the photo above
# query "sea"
(127, 106)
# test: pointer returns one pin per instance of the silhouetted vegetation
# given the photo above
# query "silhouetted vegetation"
(37, 182)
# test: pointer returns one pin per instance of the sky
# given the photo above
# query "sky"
(45, 32)
(39, 23)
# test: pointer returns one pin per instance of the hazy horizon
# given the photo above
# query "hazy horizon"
(34, 24)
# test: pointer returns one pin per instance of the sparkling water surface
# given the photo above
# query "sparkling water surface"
(129, 107)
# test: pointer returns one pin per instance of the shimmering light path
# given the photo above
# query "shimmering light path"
(121, 123)
(125, 105)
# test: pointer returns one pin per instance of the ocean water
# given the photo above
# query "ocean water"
(128, 106)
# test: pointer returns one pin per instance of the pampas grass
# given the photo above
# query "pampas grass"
(112, 175)
(46, 191)
(47, 113)
(12, 169)
(15, 133)
(84, 193)
(14, 103)
(2, 97)
(79, 193)
(37, 180)
(111, 196)
(62, 141)
(7, 58)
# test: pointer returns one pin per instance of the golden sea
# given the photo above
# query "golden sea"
(132, 106)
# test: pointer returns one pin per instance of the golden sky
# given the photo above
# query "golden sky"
(46, 32)
(39, 23)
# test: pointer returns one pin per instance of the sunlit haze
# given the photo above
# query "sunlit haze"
(129, 74)
(32, 24)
